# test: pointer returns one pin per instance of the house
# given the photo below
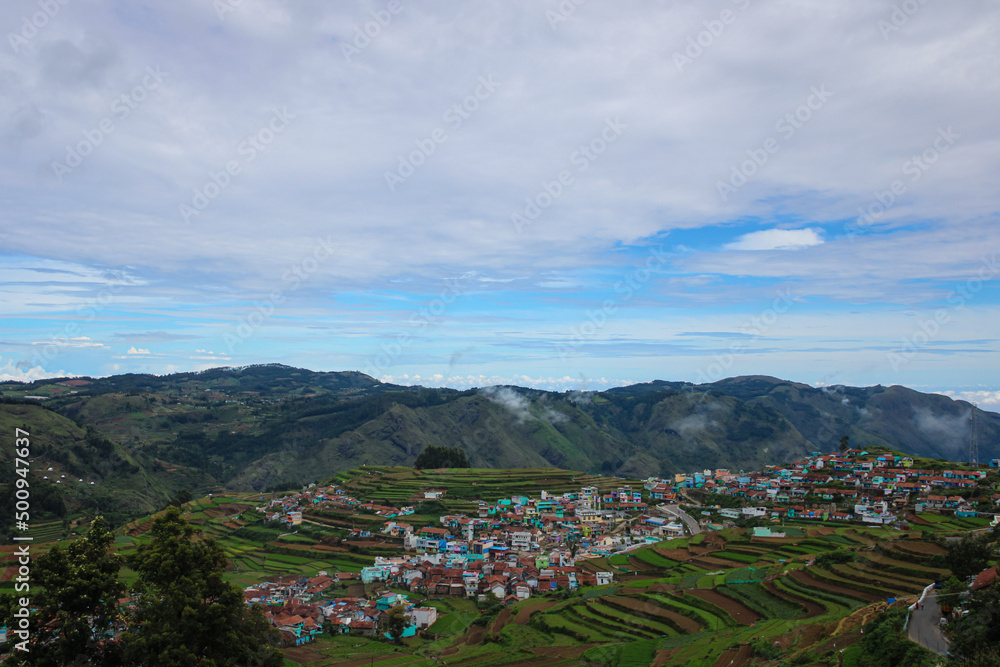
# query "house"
(423, 617)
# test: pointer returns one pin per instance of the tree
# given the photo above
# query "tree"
(976, 636)
(969, 556)
(441, 457)
(845, 444)
(886, 645)
(396, 622)
(76, 604)
(186, 614)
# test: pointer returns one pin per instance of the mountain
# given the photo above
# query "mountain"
(271, 426)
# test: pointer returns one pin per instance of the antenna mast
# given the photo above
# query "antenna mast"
(973, 445)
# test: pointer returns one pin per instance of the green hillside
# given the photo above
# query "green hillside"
(271, 426)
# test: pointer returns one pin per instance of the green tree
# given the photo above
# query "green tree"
(886, 645)
(845, 443)
(186, 614)
(396, 622)
(75, 594)
(976, 636)
(969, 556)
(441, 457)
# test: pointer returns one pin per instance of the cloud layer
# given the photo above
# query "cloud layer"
(503, 189)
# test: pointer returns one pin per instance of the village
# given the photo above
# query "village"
(517, 547)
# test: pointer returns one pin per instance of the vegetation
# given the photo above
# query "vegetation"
(138, 440)
(970, 555)
(183, 612)
(76, 606)
(886, 645)
(441, 457)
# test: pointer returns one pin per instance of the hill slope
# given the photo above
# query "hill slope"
(269, 426)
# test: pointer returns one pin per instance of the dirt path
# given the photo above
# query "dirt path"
(804, 578)
(741, 613)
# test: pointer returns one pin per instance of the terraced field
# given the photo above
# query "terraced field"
(700, 601)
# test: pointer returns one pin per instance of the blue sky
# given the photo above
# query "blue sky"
(547, 194)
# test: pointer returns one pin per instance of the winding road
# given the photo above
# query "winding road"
(924, 628)
(676, 512)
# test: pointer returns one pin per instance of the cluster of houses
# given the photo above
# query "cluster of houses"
(520, 546)
(877, 487)
(295, 607)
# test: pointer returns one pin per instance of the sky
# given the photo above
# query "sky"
(556, 194)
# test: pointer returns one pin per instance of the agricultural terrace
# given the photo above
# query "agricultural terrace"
(711, 599)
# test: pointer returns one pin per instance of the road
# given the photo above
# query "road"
(677, 512)
(923, 627)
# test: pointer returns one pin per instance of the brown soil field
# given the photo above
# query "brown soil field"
(913, 518)
(681, 555)
(921, 548)
(564, 652)
(688, 625)
(660, 587)
(820, 532)
(226, 509)
(664, 656)
(473, 636)
(524, 614)
(640, 566)
(713, 563)
(501, 621)
(804, 578)
(741, 613)
(735, 657)
(918, 570)
(812, 608)
(302, 654)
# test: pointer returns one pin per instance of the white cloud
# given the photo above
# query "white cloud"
(74, 341)
(984, 398)
(11, 371)
(777, 239)
(133, 350)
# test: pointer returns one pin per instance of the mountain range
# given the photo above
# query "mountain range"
(143, 438)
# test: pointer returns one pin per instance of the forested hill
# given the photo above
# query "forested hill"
(266, 426)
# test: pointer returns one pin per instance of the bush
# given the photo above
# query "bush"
(763, 648)
(835, 557)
